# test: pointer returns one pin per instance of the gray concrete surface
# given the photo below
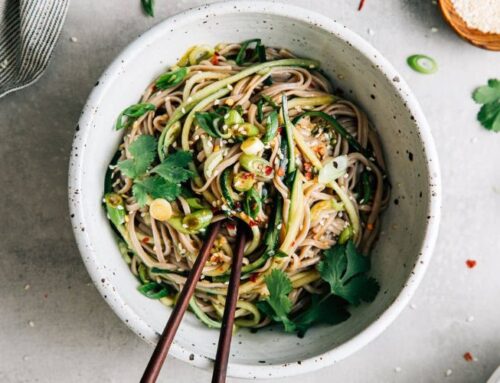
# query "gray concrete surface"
(54, 326)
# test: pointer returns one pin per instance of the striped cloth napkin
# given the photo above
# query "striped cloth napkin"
(28, 33)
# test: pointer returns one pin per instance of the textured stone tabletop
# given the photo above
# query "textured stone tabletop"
(55, 327)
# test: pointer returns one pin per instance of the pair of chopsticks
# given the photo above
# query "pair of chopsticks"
(160, 353)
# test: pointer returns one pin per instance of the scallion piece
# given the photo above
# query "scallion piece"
(172, 78)
(259, 52)
(422, 64)
(148, 7)
(132, 113)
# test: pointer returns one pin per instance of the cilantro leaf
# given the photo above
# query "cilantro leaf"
(344, 269)
(156, 187)
(489, 96)
(209, 121)
(329, 310)
(172, 169)
(277, 306)
(487, 93)
(143, 151)
(489, 116)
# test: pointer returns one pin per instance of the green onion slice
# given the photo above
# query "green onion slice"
(422, 64)
(172, 78)
(132, 113)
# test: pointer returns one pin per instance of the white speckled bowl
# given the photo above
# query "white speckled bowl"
(410, 226)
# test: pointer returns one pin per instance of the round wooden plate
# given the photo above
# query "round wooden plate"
(489, 41)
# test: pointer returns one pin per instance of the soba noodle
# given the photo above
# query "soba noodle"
(347, 207)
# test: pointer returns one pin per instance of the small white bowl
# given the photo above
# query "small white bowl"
(410, 225)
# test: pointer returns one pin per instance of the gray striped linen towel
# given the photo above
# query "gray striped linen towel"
(28, 32)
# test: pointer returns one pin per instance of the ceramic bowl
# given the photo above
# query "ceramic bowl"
(410, 225)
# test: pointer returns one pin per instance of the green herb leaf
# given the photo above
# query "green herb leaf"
(172, 78)
(209, 122)
(132, 113)
(487, 93)
(173, 168)
(277, 306)
(489, 96)
(143, 151)
(148, 7)
(156, 187)
(328, 310)
(344, 269)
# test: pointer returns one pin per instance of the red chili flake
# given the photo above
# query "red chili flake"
(471, 263)
(361, 3)
(247, 175)
(280, 129)
(253, 277)
(253, 223)
(468, 357)
(145, 240)
(308, 176)
(231, 226)
(268, 170)
(215, 58)
(281, 172)
(307, 166)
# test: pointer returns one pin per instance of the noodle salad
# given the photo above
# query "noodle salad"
(253, 134)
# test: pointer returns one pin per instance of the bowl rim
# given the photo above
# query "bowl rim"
(316, 20)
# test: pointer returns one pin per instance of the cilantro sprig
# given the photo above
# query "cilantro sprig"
(143, 151)
(344, 269)
(489, 97)
(162, 181)
(277, 305)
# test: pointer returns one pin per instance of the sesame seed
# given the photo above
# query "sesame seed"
(470, 318)
(183, 110)
(190, 99)
(230, 87)
(73, 39)
(448, 372)
(31, 323)
(398, 369)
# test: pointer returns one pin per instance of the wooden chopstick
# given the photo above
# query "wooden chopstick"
(224, 346)
(160, 353)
